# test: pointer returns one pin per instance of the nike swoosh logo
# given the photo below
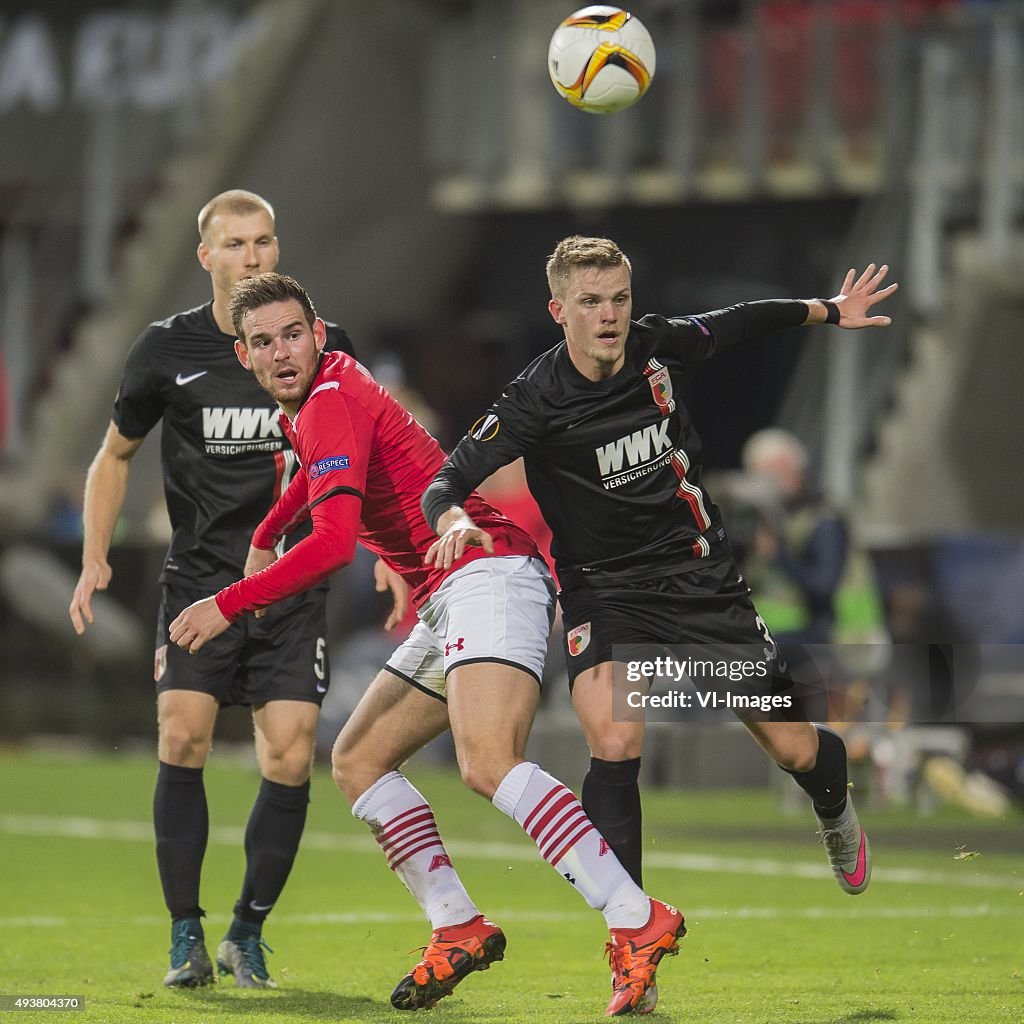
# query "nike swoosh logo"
(856, 877)
(260, 909)
(181, 379)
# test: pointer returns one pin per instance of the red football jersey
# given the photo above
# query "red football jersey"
(365, 465)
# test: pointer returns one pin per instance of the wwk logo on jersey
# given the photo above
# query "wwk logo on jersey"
(232, 430)
(634, 455)
(328, 465)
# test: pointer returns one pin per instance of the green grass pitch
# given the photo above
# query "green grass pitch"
(938, 938)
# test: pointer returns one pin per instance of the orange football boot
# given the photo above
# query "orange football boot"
(455, 952)
(635, 954)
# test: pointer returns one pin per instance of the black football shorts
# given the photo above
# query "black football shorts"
(282, 656)
(707, 607)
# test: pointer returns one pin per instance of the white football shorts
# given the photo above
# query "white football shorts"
(493, 609)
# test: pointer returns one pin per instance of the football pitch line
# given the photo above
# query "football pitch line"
(138, 831)
(693, 915)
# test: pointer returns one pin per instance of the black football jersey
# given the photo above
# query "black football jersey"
(225, 459)
(615, 465)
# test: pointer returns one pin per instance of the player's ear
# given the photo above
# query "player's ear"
(203, 255)
(557, 311)
(319, 335)
(242, 353)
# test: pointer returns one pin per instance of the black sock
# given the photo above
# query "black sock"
(611, 798)
(182, 824)
(242, 929)
(271, 842)
(826, 782)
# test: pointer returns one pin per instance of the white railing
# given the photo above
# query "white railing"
(781, 99)
(963, 168)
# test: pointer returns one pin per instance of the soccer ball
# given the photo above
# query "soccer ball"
(601, 59)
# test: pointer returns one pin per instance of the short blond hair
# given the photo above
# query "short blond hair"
(580, 251)
(236, 201)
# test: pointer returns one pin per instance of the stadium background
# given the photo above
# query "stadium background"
(421, 168)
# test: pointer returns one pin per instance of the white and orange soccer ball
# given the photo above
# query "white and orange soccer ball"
(601, 59)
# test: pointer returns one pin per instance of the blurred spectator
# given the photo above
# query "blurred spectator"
(812, 585)
(799, 543)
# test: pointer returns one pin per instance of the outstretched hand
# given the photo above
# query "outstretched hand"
(385, 578)
(95, 576)
(858, 296)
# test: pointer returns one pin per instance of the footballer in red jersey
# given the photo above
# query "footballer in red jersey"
(358, 445)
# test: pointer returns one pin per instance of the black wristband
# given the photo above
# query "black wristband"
(831, 311)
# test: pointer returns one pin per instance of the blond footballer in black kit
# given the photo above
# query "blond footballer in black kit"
(614, 463)
(225, 461)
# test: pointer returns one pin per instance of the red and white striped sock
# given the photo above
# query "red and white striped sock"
(403, 824)
(555, 820)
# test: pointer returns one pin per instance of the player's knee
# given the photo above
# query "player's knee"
(292, 769)
(480, 776)
(614, 746)
(349, 772)
(181, 744)
(289, 765)
(341, 767)
(797, 759)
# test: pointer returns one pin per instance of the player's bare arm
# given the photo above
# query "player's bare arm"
(385, 578)
(855, 299)
(256, 561)
(197, 624)
(455, 530)
(105, 487)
